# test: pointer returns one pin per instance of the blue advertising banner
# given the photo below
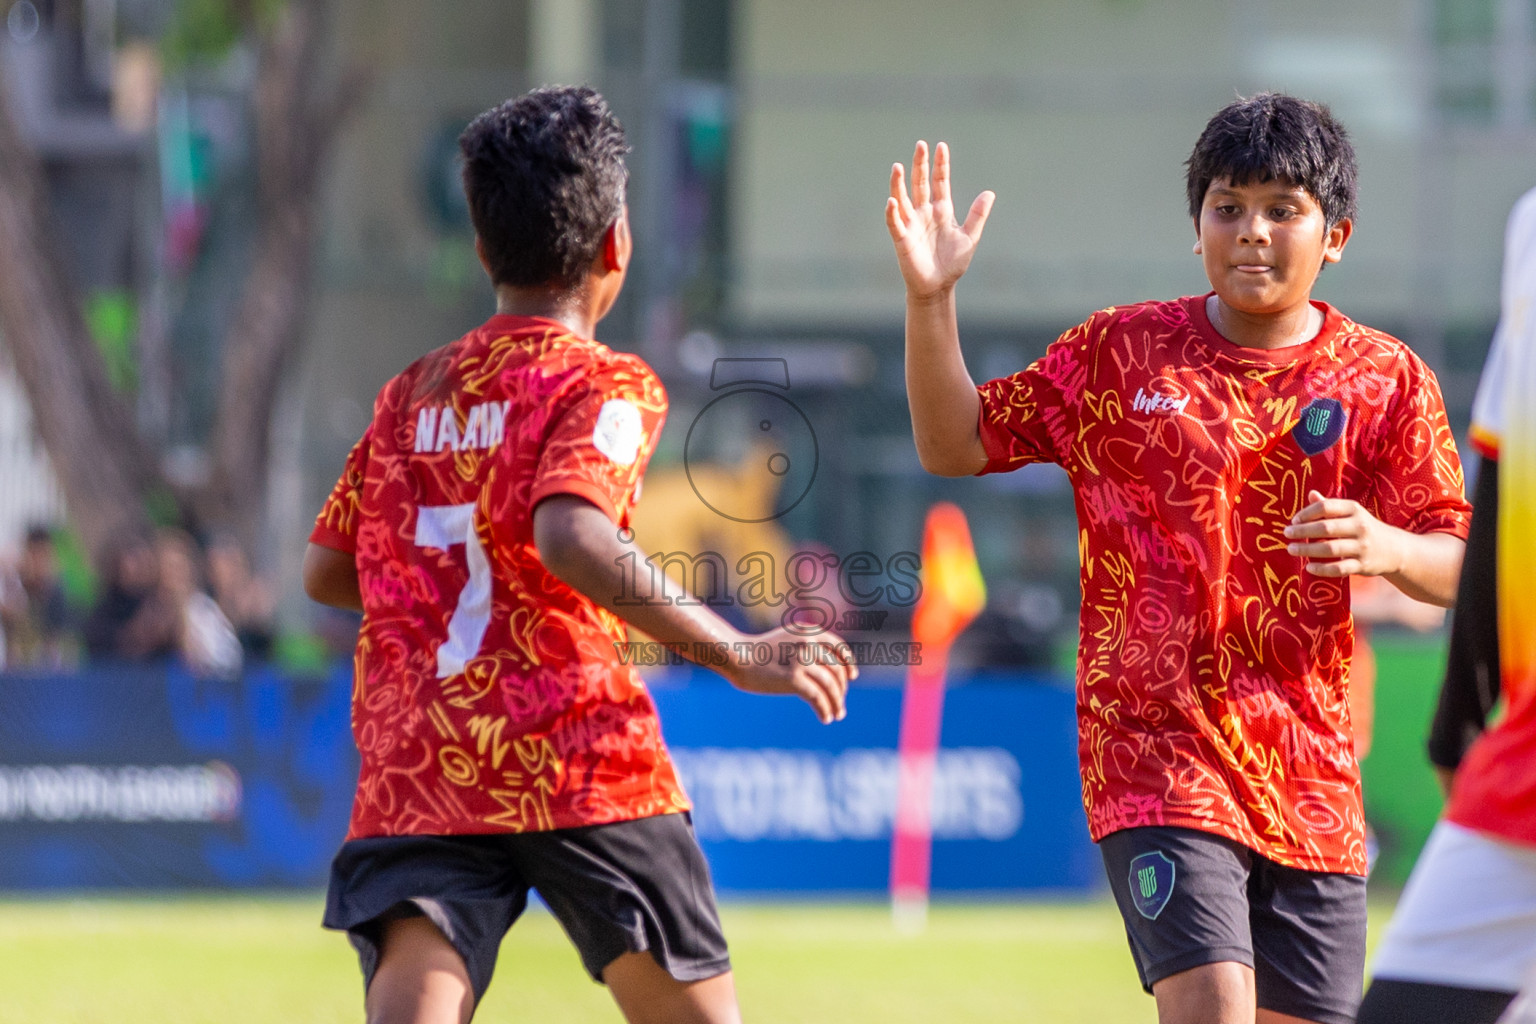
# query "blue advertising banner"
(151, 778)
(782, 802)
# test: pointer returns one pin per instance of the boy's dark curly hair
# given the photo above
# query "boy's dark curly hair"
(1275, 136)
(544, 175)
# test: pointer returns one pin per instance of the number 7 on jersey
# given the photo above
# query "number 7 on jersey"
(444, 527)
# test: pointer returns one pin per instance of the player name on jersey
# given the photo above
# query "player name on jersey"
(437, 429)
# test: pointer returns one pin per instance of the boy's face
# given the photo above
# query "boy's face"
(1263, 244)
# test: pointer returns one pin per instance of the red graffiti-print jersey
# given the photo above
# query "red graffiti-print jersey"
(489, 696)
(1212, 668)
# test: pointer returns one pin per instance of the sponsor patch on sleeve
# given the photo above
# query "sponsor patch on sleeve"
(619, 431)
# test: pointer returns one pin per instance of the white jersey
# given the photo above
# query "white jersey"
(1509, 375)
(1495, 790)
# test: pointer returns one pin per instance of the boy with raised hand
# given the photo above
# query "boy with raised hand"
(480, 525)
(1235, 456)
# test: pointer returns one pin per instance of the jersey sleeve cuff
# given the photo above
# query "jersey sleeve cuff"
(584, 489)
(994, 446)
(326, 537)
(1455, 526)
(1484, 442)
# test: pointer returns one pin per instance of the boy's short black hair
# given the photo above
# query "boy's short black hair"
(544, 175)
(1275, 136)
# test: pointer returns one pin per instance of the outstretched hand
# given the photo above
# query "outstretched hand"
(815, 669)
(1338, 537)
(931, 248)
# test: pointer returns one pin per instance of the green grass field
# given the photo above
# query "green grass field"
(235, 960)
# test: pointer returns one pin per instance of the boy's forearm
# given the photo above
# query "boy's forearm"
(330, 577)
(1431, 567)
(940, 393)
(580, 545)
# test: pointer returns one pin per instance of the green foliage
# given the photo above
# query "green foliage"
(453, 270)
(204, 31)
(112, 317)
(161, 509)
(301, 654)
(76, 573)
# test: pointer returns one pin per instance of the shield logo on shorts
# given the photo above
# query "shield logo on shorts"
(1322, 423)
(1151, 883)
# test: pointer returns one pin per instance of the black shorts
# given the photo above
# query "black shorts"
(1191, 898)
(628, 887)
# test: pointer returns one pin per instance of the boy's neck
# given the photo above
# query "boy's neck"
(1266, 330)
(571, 308)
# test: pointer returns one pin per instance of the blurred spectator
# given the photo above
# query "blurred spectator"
(154, 608)
(204, 638)
(35, 617)
(246, 599)
(131, 621)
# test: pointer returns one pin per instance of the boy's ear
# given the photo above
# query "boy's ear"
(1198, 250)
(618, 246)
(1335, 240)
(480, 254)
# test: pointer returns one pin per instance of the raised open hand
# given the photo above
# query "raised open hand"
(931, 248)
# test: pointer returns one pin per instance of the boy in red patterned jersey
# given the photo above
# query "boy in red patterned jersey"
(480, 525)
(1235, 457)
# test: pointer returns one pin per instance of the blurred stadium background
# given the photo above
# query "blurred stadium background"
(763, 134)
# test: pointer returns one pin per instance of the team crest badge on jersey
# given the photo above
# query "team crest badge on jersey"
(619, 431)
(1321, 425)
(1151, 883)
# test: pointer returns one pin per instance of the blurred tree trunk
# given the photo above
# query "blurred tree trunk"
(299, 111)
(107, 471)
(86, 426)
